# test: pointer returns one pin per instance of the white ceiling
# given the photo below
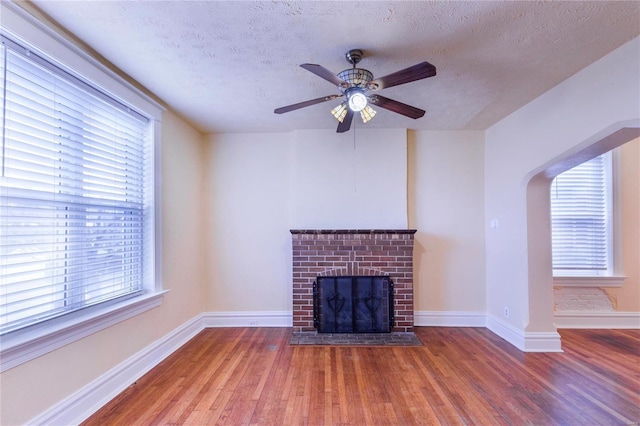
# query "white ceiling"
(225, 66)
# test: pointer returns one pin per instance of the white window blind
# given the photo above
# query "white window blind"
(72, 194)
(581, 219)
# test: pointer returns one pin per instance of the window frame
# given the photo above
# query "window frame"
(611, 278)
(23, 345)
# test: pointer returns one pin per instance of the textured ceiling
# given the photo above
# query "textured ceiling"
(225, 66)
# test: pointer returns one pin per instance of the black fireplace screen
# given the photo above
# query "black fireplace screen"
(354, 304)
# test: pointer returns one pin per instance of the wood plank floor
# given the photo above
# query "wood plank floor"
(252, 376)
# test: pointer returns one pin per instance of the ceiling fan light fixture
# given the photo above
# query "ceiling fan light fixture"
(357, 101)
(354, 84)
(367, 113)
(340, 111)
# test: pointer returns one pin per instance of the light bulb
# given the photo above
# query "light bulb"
(357, 101)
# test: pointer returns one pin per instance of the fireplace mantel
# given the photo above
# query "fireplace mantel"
(346, 252)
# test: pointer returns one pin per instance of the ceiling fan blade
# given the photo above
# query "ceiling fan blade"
(322, 72)
(395, 106)
(345, 124)
(407, 75)
(305, 104)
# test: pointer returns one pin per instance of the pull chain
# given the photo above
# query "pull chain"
(355, 160)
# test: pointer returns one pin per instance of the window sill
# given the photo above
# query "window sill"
(615, 281)
(17, 349)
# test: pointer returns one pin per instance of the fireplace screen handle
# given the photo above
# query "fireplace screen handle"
(316, 308)
(392, 319)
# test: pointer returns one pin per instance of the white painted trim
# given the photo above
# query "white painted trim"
(24, 346)
(80, 405)
(542, 341)
(612, 320)
(248, 319)
(526, 341)
(449, 319)
(588, 281)
(508, 332)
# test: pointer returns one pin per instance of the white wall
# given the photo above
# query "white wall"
(248, 215)
(259, 186)
(354, 180)
(446, 206)
(552, 128)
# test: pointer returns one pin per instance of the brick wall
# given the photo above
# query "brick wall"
(352, 252)
(579, 299)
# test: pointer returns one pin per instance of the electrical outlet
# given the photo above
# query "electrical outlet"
(506, 312)
(253, 322)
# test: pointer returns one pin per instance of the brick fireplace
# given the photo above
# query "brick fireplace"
(318, 253)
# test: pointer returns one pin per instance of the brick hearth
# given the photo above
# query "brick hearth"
(352, 252)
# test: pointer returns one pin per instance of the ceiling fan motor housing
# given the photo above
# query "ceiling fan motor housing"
(354, 56)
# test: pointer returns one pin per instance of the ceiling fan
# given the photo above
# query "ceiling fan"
(355, 85)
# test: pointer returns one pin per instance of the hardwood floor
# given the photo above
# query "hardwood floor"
(252, 376)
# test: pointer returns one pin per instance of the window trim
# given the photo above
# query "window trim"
(20, 347)
(615, 279)
(601, 281)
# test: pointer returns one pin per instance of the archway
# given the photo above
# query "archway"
(540, 278)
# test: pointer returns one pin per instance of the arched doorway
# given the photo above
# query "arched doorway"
(540, 278)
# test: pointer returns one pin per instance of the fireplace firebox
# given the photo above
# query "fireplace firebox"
(353, 304)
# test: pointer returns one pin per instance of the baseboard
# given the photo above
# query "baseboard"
(449, 319)
(508, 332)
(627, 320)
(526, 341)
(248, 319)
(80, 405)
(542, 341)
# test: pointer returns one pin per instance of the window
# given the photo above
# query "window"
(581, 219)
(76, 198)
